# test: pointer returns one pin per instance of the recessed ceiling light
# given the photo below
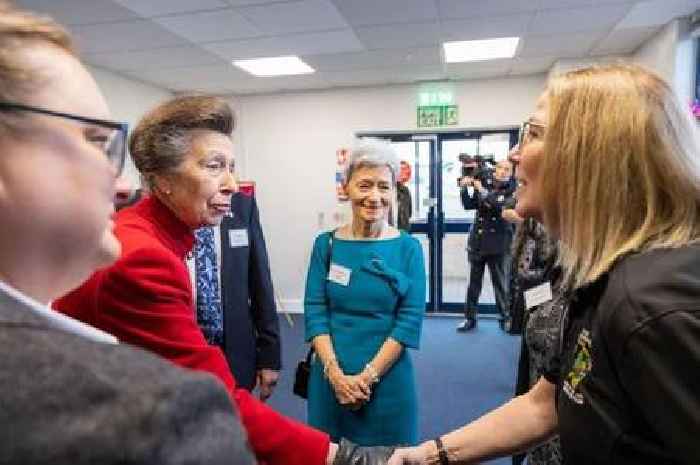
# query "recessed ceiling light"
(274, 66)
(480, 50)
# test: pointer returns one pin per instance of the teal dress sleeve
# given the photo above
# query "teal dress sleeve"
(409, 316)
(315, 302)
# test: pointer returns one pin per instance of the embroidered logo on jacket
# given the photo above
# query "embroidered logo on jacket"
(581, 367)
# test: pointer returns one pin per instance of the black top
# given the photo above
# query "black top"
(490, 234)
(629, 381)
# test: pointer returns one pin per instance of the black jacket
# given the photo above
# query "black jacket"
(628, 383)
(490, 234)
(251, 325)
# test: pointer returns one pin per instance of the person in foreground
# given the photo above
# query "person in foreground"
(364, 305)
(184, 151)
(609, 163)
(70, 393)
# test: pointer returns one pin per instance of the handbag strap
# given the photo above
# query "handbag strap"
(329, 257)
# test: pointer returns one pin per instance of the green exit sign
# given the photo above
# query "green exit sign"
(437, 115)
(435, 98)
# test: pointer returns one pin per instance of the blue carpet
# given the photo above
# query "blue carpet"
(461, 376)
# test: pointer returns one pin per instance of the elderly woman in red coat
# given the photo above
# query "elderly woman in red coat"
(184, 151)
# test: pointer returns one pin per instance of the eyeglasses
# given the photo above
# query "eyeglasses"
(112, 144)
(525, 131)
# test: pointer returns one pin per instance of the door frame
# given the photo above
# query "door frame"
(436, 227)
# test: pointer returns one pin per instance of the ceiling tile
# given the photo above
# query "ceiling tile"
(373, 12)
(399, 36)
(132, 35)
(382, 76)
(255, 2)
(171, 57)
(500, 26)
(624, 40)
(563, 45)
(254, 85)
(219, 75)
(74, 12)
(531, 65)
(457, 9)
(480, 75)
(302, 16)
(151, 8)
(657, 12)
(465, 70)
(556, 4)
(375, 59)
(210, 26)
(314, 43)
(578, 19)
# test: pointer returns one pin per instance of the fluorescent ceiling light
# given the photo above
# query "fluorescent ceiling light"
(274, 66)
(480, 50)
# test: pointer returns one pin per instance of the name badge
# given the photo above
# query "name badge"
(238, 238)
(538, 295)
(339, 274)
(501, 198)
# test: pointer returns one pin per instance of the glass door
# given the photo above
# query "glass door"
(457, 222)
(438, 219)
(419, 153)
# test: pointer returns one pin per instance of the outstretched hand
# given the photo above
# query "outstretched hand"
(408, 456)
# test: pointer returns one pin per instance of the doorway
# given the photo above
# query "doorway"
(438, 220)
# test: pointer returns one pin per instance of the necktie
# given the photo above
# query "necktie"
(209, 315)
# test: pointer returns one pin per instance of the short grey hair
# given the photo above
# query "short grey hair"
(370, 152)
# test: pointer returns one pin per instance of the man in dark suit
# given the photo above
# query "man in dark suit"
(490, 238)
(251, 325)
(249, 319)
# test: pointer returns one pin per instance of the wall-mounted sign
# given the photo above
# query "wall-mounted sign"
(435, 97)
(437, 115)
(341, 157)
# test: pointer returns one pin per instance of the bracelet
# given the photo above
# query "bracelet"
(442, 453)
(369, 368)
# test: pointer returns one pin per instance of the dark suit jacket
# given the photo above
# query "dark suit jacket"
(251, 325)
(67, 399)
(490, 234)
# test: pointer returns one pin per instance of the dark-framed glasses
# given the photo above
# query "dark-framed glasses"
(108, 136)
(525, 133)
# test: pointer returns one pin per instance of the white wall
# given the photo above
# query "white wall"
(128, 100)
(671, 54)
(658, 53)
(286, 143)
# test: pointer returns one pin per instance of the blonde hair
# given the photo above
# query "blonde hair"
(19, 30)
(620, 172)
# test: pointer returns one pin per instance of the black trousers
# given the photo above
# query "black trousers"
(498, 268)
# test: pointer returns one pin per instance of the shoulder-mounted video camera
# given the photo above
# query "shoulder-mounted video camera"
(479, 167)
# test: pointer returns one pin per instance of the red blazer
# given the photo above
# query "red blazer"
(145, 299)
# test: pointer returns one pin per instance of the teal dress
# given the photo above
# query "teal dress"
(384, 297)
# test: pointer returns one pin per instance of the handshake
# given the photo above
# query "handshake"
(352, 454)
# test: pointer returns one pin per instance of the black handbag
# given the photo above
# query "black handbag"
(301, 376)
(303, 371)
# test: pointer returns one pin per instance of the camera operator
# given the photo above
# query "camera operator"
(490, 238)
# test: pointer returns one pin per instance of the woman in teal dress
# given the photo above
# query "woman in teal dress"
(364, 305)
